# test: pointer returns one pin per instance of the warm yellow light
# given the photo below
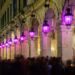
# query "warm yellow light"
(18, 33)
(52, 49)
(8, 53)
(12, 35)
(38, 51)
(39, 48)
(4, 50)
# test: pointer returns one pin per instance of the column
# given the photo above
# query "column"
(25, 45)
(2, 53)
(33, 50)
(7, 46)
(59, 39)
(25, 48)
(12, 45)
(18, 45)
(5, 51)
(45, 45)
(67, 50)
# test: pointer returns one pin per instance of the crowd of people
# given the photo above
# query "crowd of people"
(36, 66)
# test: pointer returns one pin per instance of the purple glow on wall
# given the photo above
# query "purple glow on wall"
(10, 42)
(3, 45)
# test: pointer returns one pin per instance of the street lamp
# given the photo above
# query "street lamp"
(22, 37)
(15, 39)
(10, 41)
(68, 17)
(45, 27)
(6, 44)
(32, 33)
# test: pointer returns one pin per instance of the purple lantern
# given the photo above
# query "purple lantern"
(32, 33)
(45, 27)
(68, 17)
(15, 39)
(22, 37)
(6, 43)
(10, 41)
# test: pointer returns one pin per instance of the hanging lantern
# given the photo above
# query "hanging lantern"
(6, 43)
(22, 37)
(68, 17)
(45, 27)
(15, 39)
(32, 33)
(10, 41)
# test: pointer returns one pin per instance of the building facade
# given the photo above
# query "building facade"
(15, 18)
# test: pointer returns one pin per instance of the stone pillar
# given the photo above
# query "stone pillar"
(7, 47)
(67, 49)
(5, 51)
(45, 45)
(33, 50)
(2, 53)
(25, 44)
(59, 40)
(18, 45)
(12, 45)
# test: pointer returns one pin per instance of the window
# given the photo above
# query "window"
(24, 3)
(2, 3)
(2, 22)
(8, 15)
(14, 7)
(5, 18)
(10, 11)
(19, 5)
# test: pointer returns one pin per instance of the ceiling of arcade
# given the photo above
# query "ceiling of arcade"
(56, 5)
